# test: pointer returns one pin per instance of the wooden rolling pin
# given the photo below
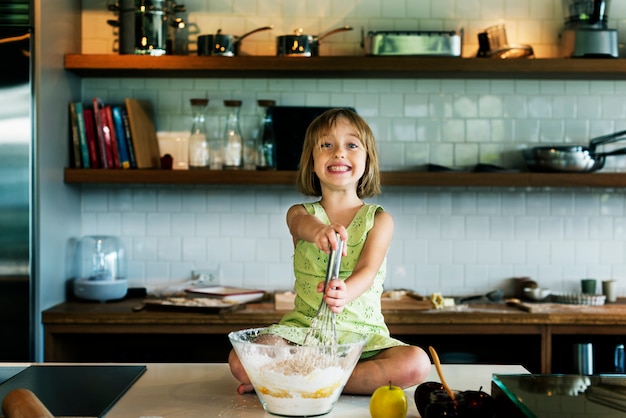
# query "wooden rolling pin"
(22, 403)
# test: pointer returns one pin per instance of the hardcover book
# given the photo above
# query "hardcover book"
(143, 133)
(120, 135)
(82, 135)
(106, 155)
(92, 140)
(75, 154)
(109, 135)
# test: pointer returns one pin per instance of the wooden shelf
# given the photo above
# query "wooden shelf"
(390, 178)
(111, 65)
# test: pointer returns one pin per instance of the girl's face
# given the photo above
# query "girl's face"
(339, 157)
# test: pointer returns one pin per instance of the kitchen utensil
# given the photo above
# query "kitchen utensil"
(224, 45)
(536, 293)
(572, 158)
(144, 25)
(493, 296)
(182, 304)
(100, 268)
(435, 357)
(322, 329)
(609, 289)
(292, 379)
(299, 45)
(24, 403)
(428, 43)
(578, 299)
(583, 358)
(588, 286)
(516, 303)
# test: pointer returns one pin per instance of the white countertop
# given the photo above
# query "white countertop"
(208, 390)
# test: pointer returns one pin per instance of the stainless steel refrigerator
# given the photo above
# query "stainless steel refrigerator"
(16, 137)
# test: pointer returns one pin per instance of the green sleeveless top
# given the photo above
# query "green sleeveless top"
(364, 314)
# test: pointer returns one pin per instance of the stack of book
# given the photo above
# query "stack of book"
(113, 136)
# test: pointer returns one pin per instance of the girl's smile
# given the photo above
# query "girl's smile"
(340, 155)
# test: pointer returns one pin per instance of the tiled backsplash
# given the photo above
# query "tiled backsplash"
(458, 240)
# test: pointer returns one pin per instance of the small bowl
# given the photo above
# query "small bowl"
(292, 379)
(537, 293)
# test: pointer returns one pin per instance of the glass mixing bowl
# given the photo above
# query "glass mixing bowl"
(292, 379)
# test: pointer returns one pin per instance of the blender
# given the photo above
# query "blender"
(586, 33)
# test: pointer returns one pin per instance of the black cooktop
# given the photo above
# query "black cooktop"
(535, 395)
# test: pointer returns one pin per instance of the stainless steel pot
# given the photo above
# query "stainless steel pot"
(300, 45)
(572, 158)
(224, 45)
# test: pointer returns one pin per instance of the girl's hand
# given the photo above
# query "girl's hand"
(326, 238)
(336, 296)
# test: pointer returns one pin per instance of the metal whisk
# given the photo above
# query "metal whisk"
(323, 327)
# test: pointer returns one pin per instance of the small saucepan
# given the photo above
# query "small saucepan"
(572, 158)
(224, 45)
(299, 45)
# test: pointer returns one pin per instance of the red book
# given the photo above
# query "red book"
(106, 153)
(92, 141)
(110, 138)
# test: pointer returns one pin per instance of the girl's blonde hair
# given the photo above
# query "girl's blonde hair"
(308, 183)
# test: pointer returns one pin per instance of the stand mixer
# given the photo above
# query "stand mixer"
(586, 33)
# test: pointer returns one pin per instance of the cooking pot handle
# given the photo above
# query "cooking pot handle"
(606, 139)
(332, 32)
(620, 151)
(255, 31)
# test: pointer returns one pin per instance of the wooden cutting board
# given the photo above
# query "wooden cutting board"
(199, 305)
(405, 303)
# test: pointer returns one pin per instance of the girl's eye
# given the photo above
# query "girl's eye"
(326, 145)
(353, 146)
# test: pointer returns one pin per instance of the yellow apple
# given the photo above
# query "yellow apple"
(388, 402)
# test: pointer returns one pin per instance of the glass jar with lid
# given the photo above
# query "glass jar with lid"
(233, 139)
(198, 141)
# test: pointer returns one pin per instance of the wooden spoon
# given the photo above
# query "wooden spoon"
(435, 357)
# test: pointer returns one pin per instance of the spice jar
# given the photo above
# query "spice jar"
(233, 140)
(198, 143)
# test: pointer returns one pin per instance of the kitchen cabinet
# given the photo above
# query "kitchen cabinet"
(108, 65)
(114, 331)
(395, 178)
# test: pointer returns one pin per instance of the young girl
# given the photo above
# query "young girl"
(340, 163)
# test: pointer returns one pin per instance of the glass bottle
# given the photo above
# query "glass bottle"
(198, 141)
(233, 140)
(266, 146)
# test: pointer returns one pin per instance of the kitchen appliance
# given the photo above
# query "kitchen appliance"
(100, 267)
(428, 43)
(16, 143)
(540, 395)
(586, 32)
(493, 43)
(224, 45)
(299, 45)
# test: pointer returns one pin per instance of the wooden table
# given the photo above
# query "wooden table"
(76, 329)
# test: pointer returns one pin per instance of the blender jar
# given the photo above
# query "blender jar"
(586, 13)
